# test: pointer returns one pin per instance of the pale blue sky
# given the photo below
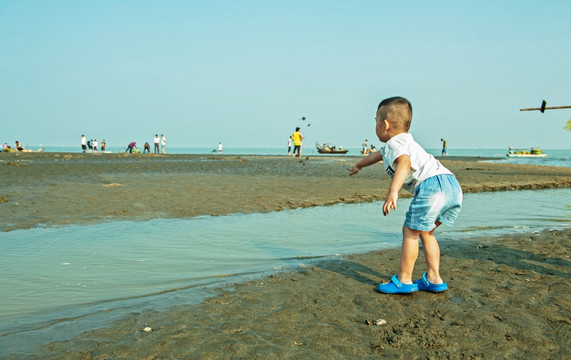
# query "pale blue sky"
(245, 72)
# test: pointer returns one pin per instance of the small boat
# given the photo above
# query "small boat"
(528, 153)
(330, 148)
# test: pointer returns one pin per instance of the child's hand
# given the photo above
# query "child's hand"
(390, 203)
(355, 169)
(369, 160)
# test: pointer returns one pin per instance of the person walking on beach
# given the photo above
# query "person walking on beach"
(297, 141)
(437, 195)
(444, 148)
(220, 148)
(289, 146)
(163, 144)
(157, 142)
(103, 145)
(95, 145)
(83, 143)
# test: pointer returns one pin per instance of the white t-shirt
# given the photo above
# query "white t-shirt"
(422, 164)
(156, 140)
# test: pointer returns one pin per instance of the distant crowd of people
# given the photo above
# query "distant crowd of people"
(92, 145)
(8, 148)
(366, 149)
(160, 145)
(19, 147)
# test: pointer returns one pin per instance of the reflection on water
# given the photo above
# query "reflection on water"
(55, 275)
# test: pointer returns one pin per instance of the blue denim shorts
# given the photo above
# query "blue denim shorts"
(438, 198)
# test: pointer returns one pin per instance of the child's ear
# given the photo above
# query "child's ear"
(387, 124)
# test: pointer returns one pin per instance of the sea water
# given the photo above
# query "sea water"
(57, 281)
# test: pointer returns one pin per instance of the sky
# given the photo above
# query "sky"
(244, 73)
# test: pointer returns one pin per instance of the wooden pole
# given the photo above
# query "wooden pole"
(547, 108)
(543, 107)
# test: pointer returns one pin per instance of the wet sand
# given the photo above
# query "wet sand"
(50, 189)
(508, 297)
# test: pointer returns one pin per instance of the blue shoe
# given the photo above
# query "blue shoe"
(425, 285)
(396, 287)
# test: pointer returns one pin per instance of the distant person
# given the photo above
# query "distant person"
(157, 142)
(146, 148)
(289, 145)
(297, 141)
(437, 195)
(90, 145)
(365, 146)
(130, 147)
(103, 145)
(444, 148)
(220, 148)
(163, 144)
(95, 145)
(19, 146)
(83, 143)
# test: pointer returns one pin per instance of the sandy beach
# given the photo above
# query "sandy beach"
(508, 297)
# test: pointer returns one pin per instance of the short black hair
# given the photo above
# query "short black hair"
(398, 110)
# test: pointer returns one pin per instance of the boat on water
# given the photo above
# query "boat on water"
(533, 152)
(330, 148)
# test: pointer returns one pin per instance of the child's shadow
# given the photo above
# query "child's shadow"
(338, 265)
(353, 270)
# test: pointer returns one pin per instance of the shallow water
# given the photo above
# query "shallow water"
(58, 277)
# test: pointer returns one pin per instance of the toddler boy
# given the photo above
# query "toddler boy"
(437, 195)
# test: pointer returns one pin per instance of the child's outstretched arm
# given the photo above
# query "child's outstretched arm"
(402, 164)
(370, 159)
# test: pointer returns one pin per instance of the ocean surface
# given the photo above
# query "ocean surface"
(57, 282)
(554, 157)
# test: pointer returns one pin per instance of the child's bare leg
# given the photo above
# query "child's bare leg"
(409, 254)
(432, 255)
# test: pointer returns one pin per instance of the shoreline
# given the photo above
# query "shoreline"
(506, 298)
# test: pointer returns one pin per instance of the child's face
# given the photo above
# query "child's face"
(381, 129)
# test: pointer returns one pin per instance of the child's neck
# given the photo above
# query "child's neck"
(393, 133)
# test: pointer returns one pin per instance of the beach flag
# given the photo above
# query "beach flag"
(568, 126)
